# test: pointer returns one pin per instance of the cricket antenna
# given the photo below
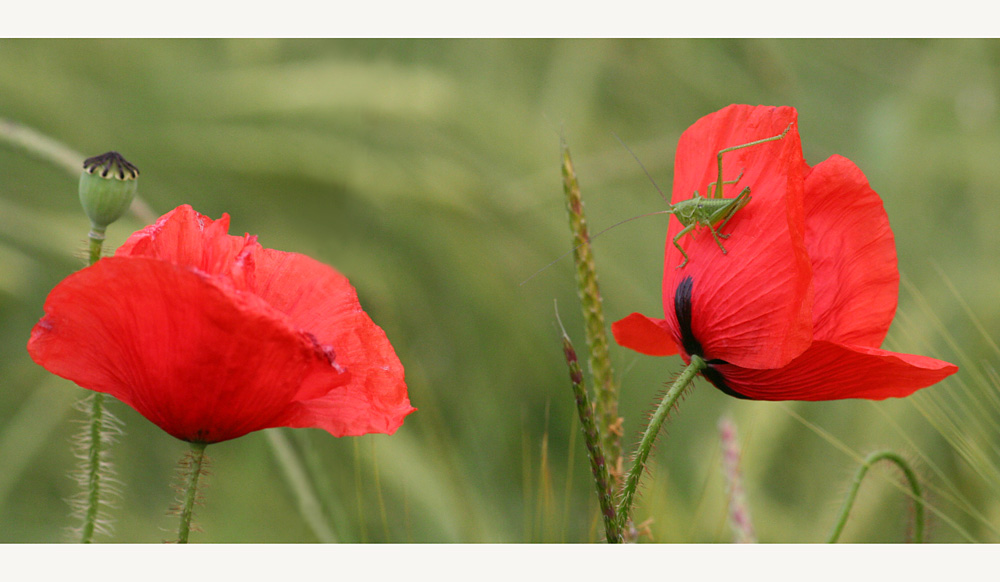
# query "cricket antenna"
(615, 225)
(644, 170)
(591, 238)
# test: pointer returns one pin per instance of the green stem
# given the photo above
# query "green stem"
(95, 440)
(652, 430)
(606, 392)
(195, 460)
(592, 439)
(95, 437)
(96, 243)
(911, 477)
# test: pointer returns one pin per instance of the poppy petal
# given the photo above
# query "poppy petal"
(314, 296)
(752, 306)
(853, 254)
(829, 371)
(201, 361)
(645, 335)
(185, 237)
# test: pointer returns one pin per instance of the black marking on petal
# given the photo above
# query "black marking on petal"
(682, 308)
(713, 375)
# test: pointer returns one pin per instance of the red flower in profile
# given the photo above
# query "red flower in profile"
(799, 306)
(212, 336)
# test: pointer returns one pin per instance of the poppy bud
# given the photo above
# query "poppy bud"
(107, 187)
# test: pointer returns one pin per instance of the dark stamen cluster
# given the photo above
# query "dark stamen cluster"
(111, 164)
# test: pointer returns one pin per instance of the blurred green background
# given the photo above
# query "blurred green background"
(428, 172)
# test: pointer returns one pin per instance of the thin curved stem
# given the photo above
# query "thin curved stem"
(911, 477)
(652, 430)
(60, 155)
(41, 146)
(195, 460)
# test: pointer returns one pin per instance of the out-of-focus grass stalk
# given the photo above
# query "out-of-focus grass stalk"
(298, 479)
(359, 492)
(606, 391)
(739, 510)
(592, 438)
(383, 517)
(911, 477)
(964, 409)
(60, 155)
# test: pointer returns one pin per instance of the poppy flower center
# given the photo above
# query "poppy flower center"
(684, 312)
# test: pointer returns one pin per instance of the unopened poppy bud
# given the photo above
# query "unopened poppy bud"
(107, 187)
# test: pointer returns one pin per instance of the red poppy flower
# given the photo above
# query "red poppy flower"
(212, 336)
(798, 307)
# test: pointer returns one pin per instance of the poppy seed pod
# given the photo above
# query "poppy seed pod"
(107, 186)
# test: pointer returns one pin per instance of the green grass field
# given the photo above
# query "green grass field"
(428, 173)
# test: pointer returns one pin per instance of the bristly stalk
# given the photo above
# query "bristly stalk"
(606, 391)
(93, 443)
(192, 468)
(652, 430)
(592, 439)
(96, 474)
(915, 492)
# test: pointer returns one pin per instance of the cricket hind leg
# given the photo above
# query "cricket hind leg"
(718, 193)
(718, 187)
(683, 231)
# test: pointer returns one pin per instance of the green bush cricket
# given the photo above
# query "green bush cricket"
(697, 210)
(713, 209)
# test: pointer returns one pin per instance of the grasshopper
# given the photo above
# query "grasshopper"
(713, 209)
(697, 210)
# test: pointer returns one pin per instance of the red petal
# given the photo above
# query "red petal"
(185, 237)
(645, 335)
(753, 306)
(853, 256)
(201, 361)
(316, 297)
(828, 371)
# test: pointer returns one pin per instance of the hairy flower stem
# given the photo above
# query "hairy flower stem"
(95, 439)
(652, 430)
(96, 242)
(93, 468)
(195, 460)
(915, 492)
(592, 438)
(606, 391)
